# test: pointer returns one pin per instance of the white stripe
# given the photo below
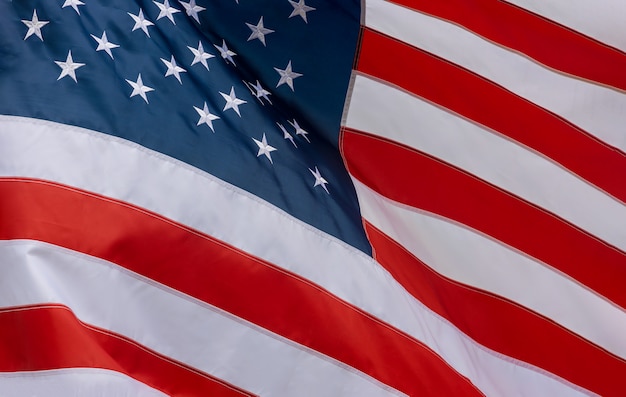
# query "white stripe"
(73, 382)
(487, 155)
(47, 150)
(473, 259)
(596, 109)
(601, 19)
(106, 296)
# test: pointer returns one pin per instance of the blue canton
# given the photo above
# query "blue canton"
(250, 91)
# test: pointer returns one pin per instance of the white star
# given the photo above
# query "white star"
(68, 68)
(264, 148)
(258, 91)
(104, 44)
(232, 102)
(74, 4)
(166, 10)
(301, 9)
(259, 31)
(286, 134)
(192, 9)
(225, 52)
(141, 22)
(34, 26)
(319, 180)
(206, 117)
(286, 76)
(173, 69)
(200, 56)
(139, 88)
(299, 130)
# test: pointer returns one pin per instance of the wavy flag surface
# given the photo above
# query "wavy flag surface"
(312, 198)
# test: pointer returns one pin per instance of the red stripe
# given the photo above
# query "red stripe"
(227, 278)
(546, 41)
(493, 107)
(502, 325)
(413, 178)
(47, 337)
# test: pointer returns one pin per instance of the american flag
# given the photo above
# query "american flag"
(312, 198)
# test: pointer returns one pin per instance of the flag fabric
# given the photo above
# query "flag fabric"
(312, 198)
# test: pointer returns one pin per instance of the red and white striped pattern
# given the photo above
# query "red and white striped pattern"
(490, 175)
(266, 308)
(486, 142)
